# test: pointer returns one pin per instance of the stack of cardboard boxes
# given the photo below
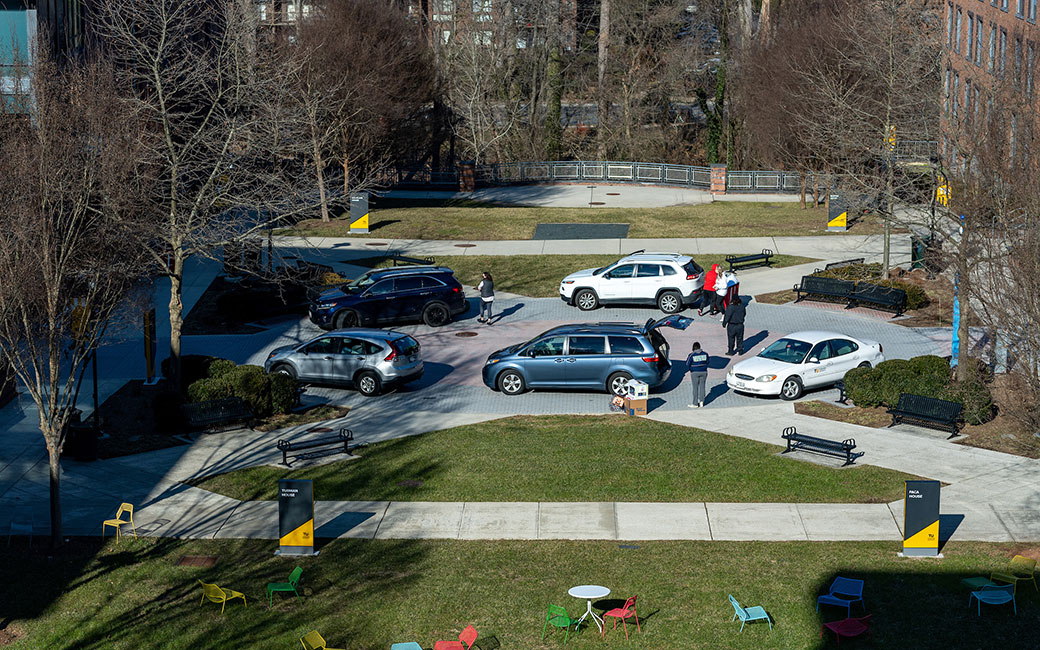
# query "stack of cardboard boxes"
(635, 400)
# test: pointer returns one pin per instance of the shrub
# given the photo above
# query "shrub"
(862, 388)
(916, 298)
(283, 393)
(208, 388)
(220, 367)
(930, 364)
(252, 385)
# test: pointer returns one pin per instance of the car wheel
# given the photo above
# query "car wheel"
(346, 318)
(286, 370)
(436, 314)
(791, 389)
(368, 383)
(669, 302)
(617, 384)
(586, 300)
(511, 382)
(865, 364)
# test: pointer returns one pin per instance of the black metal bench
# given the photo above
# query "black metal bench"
(399, 259)
(315, 447)
(754, 259)
(843, 397)
(831, 287)
(217, 412)
(798, 441)
(927, 411)
(843, 263)
(879, 295)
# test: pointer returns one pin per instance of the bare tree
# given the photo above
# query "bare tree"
(69, 178)
(219, 135)
(603, 62)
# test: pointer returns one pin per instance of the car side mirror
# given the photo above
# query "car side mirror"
(304, 351)
(813, 360)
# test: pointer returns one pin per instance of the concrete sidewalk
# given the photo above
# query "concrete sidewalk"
(584, 194)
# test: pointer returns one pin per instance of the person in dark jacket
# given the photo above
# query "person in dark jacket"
(697, 365)
(733, 321)
(487, 296)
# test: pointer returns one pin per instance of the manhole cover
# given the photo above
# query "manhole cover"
(410, 483)
(596, 203)
(465, 334)
(375, 243)
(202, 561)
(319, 430)
(613, 193)
(464, 245)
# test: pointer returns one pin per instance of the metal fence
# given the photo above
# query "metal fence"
(922, 150)
(635, 172)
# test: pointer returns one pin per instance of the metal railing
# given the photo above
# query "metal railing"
(922, 150)
(635, 172)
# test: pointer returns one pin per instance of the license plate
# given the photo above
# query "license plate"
(738, 384)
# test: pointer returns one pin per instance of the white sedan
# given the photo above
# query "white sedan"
(802, 360)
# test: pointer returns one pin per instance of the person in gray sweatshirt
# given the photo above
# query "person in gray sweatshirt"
(487, 297)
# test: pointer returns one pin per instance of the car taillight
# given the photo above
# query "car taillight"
(880, 348)
(692, 276)
(653, 359)
(392, 355)
(455, 289)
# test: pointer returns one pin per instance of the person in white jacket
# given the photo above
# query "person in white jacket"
(725, 280)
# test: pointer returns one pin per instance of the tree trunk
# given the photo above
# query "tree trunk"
(54, 463)
(765, 19)
(346, 176)
(176, 317)
(552, 115)
(801, 175)
(319, 173)
(603, 104)
(746, 21)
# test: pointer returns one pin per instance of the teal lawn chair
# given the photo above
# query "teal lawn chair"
(294, 579)
(749, 614)
(559, 619)
(994, 595)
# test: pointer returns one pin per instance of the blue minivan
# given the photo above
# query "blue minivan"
(596, 356)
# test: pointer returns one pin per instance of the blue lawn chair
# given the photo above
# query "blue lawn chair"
(746, 615)
(994, 595)
(844, 592)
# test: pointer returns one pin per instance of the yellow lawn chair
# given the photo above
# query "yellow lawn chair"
(219, 595)
(313, 641)
(118, 522)
(1020, 568)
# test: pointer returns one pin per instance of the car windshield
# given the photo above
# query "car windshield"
(786, 350)
(360, 282)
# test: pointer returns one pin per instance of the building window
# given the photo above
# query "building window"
(992, 47)
(1003, 5)
(957, 34)
(946, 92)
(1020, 8)
(949, 24)
(481, 6)
(956, 92)
(1030, 70)
(971, 36)
(975, 105)
(1032, 11)
(967, 99)
(1014, 138)
(1018, 61)
(1003, 51)
(978, 40)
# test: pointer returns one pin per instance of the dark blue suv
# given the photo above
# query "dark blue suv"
(409, 293)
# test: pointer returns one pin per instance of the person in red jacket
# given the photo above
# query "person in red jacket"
(708, 290)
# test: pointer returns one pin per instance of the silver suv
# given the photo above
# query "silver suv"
(669, 280)
(370, 359)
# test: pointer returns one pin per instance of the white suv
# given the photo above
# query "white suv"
(669, 280)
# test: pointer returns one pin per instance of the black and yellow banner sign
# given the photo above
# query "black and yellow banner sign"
(295, 517)
(921, 518)
(359, 212)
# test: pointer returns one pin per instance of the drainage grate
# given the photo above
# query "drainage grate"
(375, 243)
(201, 561)
(319, 430)
(465, 334)
(464, 245)
(613, 193)
(596, 203)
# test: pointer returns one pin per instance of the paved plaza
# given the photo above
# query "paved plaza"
(990, 496)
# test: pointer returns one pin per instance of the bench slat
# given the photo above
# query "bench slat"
(932, 412)
(330, 443)
(796, 441)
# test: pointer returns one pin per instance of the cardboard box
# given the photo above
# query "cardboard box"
(638, 389)
(635, 406)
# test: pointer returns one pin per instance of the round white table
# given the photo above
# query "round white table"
(589, 593)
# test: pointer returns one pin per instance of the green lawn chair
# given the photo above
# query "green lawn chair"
(294, 579)
(559, 619)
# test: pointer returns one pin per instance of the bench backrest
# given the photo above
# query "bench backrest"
(880, 294)
(847, 587)
(216, 408)
(929, 406)
(1022, 566)
(813, 283)
(843, 263)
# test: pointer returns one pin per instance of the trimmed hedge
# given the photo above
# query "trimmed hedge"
(265, 394)
(927, 375)
(916, 297)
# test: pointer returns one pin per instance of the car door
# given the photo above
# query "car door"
(820, 371)
(315, 360)
(586, 360)
(616, 283)
(351, 358)
(378, 301)
(647, 282)
(409, 297)
(544, 363)
(845, 356)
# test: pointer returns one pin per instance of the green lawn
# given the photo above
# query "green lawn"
(574, 458)
(538, 276)
(468, 222)
(365, 594)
